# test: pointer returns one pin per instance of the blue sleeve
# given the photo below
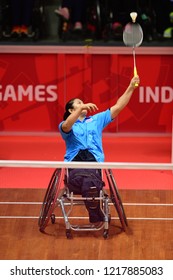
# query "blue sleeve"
(64, 134)
(104, 118)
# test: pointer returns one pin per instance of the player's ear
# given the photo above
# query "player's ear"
(70, 110)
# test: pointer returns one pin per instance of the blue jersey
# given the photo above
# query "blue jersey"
(86, 134)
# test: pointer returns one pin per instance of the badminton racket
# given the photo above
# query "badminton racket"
(133, 37)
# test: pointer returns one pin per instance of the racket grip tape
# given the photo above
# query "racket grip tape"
(135, 75)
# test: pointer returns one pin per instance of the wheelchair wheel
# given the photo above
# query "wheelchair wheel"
(68, 234)
(105, 233)
(116, 199)
(50, 199)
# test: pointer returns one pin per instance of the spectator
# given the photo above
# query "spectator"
(21, 17)
(168, 32)
(74, 10)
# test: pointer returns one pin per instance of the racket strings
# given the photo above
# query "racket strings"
(133, 35)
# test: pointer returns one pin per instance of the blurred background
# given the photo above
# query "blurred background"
(100, 22)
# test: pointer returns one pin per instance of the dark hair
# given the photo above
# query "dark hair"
(69, 105)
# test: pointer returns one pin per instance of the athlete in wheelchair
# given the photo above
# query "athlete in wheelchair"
(82, 134)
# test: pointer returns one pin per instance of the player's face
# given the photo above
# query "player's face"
(77, 103)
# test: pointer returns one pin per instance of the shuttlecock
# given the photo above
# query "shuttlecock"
(133, 16)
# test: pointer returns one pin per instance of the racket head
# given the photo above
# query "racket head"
(132, 35)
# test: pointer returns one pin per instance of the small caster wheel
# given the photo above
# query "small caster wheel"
(53, 218)
(68, 233)
(105, 234)
(41, 230)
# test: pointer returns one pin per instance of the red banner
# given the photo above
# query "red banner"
(34, 89)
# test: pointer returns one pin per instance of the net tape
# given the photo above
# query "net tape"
(87, 165)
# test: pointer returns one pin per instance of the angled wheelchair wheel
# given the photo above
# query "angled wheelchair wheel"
(116, 199)
(50, 199)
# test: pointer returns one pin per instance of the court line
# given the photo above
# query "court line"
(20, 202)
(148, 204)
(126, 203)
(113, 218)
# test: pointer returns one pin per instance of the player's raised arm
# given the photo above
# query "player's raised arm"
(124, 98)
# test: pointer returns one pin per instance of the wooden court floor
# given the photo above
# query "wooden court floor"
(149, 235)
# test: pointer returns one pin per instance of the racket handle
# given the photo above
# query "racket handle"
(135, 74)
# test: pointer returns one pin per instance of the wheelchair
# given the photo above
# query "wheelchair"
(58, 196)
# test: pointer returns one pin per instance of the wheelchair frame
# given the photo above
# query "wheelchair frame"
(56, 195)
